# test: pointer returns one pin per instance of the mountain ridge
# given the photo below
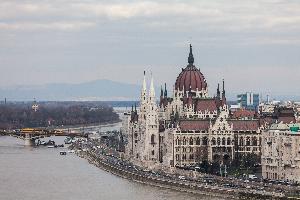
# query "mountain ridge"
(95, 90)
(101, 89)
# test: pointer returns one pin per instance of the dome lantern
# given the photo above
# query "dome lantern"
(191, 56)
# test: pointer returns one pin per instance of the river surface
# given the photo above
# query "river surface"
(28, 173)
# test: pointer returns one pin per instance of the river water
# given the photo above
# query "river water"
(28, 173)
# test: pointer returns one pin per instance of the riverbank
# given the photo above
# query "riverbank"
(184, 186)
(93, 125)
(93, 159)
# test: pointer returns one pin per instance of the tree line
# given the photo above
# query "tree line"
(15, 116)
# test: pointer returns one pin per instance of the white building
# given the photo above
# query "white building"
(281, 153)
(189, 126)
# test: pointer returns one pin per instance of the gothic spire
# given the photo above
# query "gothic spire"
(166, 92)
(223, 88)
(191, 57)
(223, 94)
(144, 83)
(152, 90)
(218, 91)
(144, 90)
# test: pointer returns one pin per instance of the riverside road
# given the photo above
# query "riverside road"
(224, 186)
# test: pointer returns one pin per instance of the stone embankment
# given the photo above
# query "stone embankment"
(185, 186)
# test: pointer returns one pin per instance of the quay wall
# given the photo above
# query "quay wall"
(175, 185)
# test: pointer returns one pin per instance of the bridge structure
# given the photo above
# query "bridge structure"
(31, 134)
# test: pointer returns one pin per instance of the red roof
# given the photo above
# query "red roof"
(206, 104)
(266, 120)
(244, 125)
(197, 125)
(287, 120)
(243, 114)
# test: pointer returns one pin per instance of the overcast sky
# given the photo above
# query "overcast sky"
(253, 44)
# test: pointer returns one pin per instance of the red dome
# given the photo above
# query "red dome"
(190, 78)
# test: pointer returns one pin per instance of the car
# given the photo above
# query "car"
(181, 177)
(252, 177)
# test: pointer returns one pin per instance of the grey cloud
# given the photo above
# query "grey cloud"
(45, 41)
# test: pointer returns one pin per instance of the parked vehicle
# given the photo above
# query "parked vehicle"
(252, 177)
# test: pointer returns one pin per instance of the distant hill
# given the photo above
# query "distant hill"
(98, 90)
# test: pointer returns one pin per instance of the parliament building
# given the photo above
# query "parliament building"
(189, 126)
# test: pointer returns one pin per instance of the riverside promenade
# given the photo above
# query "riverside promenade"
(126, 170)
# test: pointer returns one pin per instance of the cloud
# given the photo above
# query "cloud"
(132, 34)
(230, 15)
(142, 9)
(30, 26)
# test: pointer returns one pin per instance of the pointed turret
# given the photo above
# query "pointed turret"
(161, 96)
(152, 91)
(166, 92)
(218, 91)
(132, 114)
(218, 97)
(223, 94)
(144, 90)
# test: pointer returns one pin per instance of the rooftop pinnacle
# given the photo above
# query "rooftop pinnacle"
(191, 57)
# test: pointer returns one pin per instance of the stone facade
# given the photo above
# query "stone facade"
(189, 126)
(281, 153)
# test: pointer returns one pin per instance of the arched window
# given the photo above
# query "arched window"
(177, 157)
(241, 141)
(191, 156)
(198, 141)
(184, 141)
(205, 141)
(248, 143)
(152, 139)
(191, 141)
(228, 141)
(191, 149)
(213, 141)
(152, 152)
(219, 141)
(254, 141)
(223, 141)
(177, 141)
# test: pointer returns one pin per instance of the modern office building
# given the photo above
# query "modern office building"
(249, 101)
